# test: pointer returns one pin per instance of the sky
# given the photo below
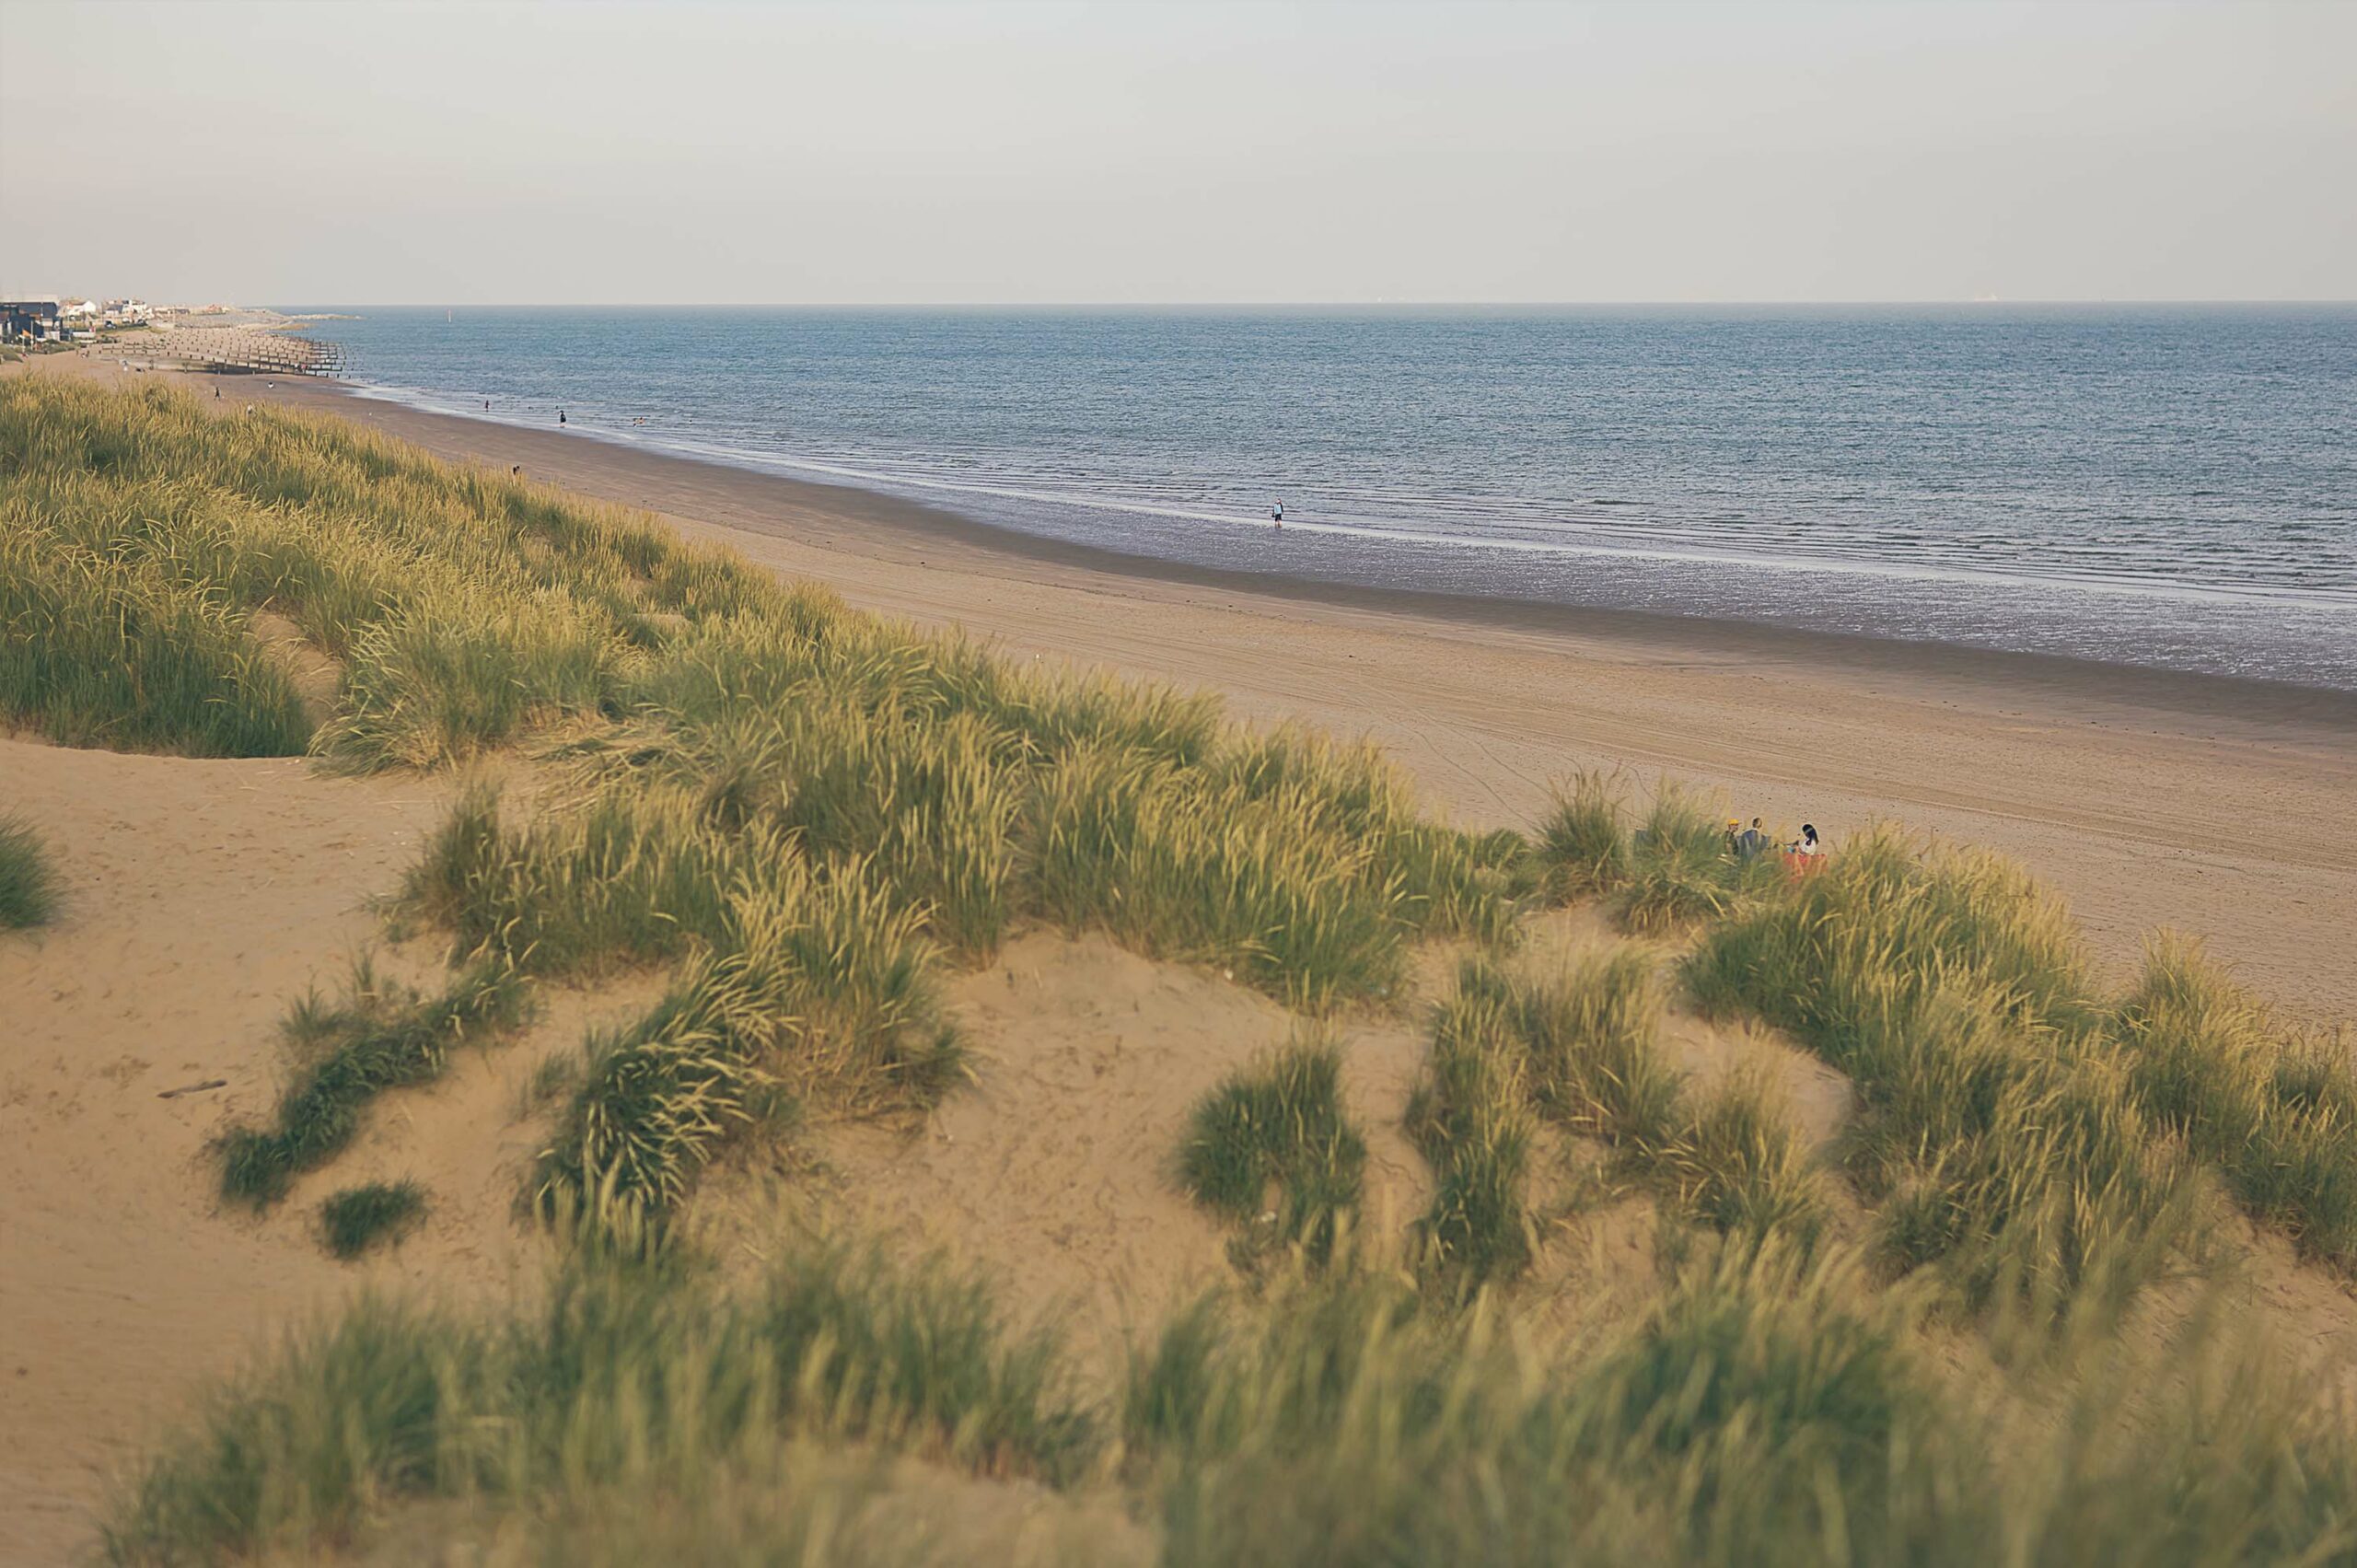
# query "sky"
(982, 152)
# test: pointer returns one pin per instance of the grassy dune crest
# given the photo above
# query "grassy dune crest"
(638, 1372)
(1996, 1123)
(804, 811)
(1770, 1408)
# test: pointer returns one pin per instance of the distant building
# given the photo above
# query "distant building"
(28, 318)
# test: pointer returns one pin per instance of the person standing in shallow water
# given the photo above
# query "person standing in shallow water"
(1277, 515)
(560, 417)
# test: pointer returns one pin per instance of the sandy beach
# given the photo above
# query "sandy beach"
(244, 883)
(2150, 798)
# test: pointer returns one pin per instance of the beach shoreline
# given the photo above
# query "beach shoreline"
(2054, 760)
(2193, 692)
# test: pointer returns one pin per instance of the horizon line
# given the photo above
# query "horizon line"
(1273, 304)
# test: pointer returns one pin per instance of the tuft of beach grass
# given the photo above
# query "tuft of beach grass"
(28, 891)
(379, 1213)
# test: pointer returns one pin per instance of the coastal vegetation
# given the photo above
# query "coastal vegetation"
(377, 1036)
(378, 1213)
(1279, 1128)
(806, 822)
(28, 879)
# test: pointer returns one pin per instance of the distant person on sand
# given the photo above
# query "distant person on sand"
(560, 417)
(1277, 515)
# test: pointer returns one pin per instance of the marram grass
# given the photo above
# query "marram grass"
(29, 893)
(893, 801)
(1994, 1111)
(378, 1213)
(636, 1371)
(806, 816)
(1278, 1130)
(1576, 1047)
(1768, 1402)
(377, 1036)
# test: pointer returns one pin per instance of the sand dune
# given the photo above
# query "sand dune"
(2147, 798)
(202, 897)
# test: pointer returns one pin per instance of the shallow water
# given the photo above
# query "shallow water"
(2164, 485)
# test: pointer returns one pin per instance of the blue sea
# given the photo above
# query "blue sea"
(2165, 485)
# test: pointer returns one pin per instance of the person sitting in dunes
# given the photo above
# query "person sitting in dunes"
(1805, 856)
(1750, 843)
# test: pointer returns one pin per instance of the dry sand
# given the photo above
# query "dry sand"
(204, 896)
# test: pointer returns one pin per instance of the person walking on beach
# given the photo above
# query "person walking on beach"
(1277, 515)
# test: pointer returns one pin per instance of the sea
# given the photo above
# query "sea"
(2172, 486)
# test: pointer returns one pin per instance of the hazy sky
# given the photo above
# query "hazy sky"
(572, 152)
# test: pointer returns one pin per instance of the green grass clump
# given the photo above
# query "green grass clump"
(377, 1036)
(1992, 1109)
(1681, 869)
(95, 651)
(1270, 883)
(2276, 1114)
(1578, 1049)
(1583, 844)
(1281, 1124)
(637, 1373)
(1588, 1032)
(376, 1214)
(1740, 1165)
(816, 990)
(1470, 1118)
(28, 881)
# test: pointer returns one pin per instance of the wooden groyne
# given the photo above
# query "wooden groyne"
(242, 350)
